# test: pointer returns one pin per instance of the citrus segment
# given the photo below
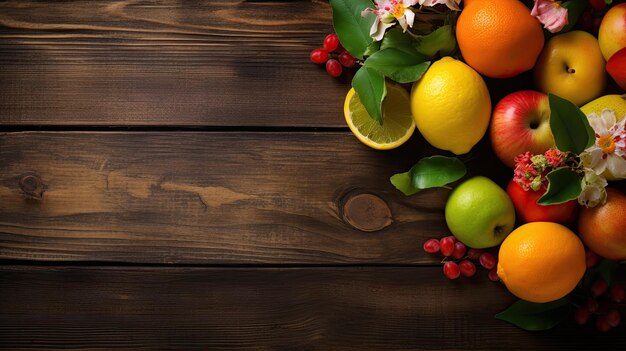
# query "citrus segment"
(398, 125)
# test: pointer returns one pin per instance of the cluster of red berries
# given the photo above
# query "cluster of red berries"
(459, 260)
(599, 304)
(591, 17)
(333, 55)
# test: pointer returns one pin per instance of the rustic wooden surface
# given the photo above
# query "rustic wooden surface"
(178, 175)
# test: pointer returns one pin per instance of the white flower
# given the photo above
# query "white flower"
(387, 12)
(607, 156)
(452, 4)
(593, 189)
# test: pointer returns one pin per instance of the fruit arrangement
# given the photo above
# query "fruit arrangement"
(555, 233)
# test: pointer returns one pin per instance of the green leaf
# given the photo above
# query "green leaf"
(429, 172)
(575, 9)
(569, 126)
(352, 28)
(402, 182)
(436, 171)
(398, 65)
(441, 40)
(372, 48)
(396, 38)
(564, 185)
(535, 316)
(369, 85)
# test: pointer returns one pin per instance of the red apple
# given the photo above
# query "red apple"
(528, 210)
(616, 66)
(520, 123)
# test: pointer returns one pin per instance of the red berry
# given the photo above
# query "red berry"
(331, 42)
(585, 22)
(474, 254)
(447, 246)
(333, 68)
(487, 260)
(597, 5)
(346, 59)
(591, 258)
(613, 318)
(451, 270)
(617, 293)
(592, 305)
(319, 56)
(581, 316)
(493, 275)
(602, 324)
(459, 250)
(599, 287)
(468, 268)
(431, 246)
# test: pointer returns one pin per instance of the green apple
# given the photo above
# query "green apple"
(479, 213)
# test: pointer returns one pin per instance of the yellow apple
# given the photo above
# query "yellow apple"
(571, 66)
(612, 31)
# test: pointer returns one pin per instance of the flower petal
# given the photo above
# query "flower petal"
(616, 167)
(597, 123)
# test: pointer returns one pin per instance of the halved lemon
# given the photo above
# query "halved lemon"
(398, 125)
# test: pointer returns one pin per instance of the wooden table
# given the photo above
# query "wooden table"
(178, 175)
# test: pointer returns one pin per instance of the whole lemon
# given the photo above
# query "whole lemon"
(615, 102)
(541, 261)
(451, 106)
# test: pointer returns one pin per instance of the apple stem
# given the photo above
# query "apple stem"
(571, 70)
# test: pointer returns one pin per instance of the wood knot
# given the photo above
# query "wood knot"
(32, 186)
(365, 212)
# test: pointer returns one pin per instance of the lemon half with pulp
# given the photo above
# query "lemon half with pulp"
(398, 125)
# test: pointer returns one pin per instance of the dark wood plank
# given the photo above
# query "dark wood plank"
(210, 197)
(299, 308)
(200, 63)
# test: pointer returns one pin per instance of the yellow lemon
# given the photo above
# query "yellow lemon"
(615, 102)
(451, 106)
(398, 124)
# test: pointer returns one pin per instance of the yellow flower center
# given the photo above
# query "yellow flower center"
(606, 143)
(557, 4)
(398, 11)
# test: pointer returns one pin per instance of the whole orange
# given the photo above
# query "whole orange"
(541, 261)
(499, 39)
(603, 228)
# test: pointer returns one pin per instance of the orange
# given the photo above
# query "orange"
(541, 261)
(499, 38)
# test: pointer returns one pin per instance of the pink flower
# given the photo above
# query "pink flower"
(551, 14)
(525, 172)
(387, 13)
(452, 4)
(555, 158)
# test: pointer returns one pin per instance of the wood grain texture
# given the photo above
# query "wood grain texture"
(266, 309)
(210, 197)
(174, 63)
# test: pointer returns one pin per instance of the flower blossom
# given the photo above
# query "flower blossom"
(452, 4)
(593, 189)
(531, 170)
(387, 12)
(551, 14)
(607, 156)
